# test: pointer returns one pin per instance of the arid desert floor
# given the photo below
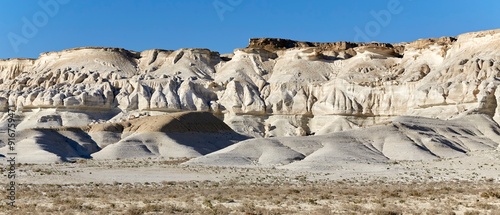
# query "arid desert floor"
(165, 186)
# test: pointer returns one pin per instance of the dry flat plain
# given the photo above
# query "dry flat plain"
(466, 185)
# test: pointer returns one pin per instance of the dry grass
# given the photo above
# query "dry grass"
(230, 197)
(241, 191)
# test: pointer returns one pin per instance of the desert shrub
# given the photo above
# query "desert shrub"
(387, 212)
(485, 206)
(134, 210)
(469, 212)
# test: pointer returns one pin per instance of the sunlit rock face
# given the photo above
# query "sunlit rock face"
(273, 87)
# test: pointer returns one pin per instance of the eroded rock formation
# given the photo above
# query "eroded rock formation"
(274, 87)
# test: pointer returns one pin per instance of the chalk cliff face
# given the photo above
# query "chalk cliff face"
(273, 87)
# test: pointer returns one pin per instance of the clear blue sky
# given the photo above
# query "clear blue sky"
(171, 24)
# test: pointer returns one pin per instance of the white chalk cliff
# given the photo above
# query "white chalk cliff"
(272, 88)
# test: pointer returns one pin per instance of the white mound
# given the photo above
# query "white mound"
(188, 134)
(407, 138)
(49, 145)
(168, 145)
(178, 135)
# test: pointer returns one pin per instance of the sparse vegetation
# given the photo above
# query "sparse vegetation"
(209, 197)
(232, 190)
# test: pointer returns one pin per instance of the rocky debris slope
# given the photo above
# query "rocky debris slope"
(178, 135)
(406, 138)
(257, 88)
(261, 86)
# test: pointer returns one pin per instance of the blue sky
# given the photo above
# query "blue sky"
(27, 28)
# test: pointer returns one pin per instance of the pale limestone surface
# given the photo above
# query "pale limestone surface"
(264, 90)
